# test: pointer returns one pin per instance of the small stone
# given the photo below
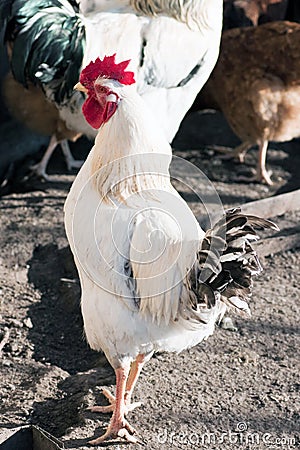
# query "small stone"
(7, 363)
(227, 324)
(28, 323)
(14, 347)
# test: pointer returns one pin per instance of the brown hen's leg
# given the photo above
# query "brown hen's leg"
(238, 152)
(118, 426)
(262, 173)
(134, 373)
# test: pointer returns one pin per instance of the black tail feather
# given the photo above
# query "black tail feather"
(227, 262)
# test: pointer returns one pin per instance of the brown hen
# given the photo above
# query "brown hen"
(256, 84)
(31, 107)
(241, 13)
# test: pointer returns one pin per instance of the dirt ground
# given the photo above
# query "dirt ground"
(237, 390)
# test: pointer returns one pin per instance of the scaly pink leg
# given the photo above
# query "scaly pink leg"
(134, 373)
(118, 426)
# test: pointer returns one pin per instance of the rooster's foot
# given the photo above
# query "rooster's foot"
(117, 429)
(112, 400)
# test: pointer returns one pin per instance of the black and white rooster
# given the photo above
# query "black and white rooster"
(173, 46)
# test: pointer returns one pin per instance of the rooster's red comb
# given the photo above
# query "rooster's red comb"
(107, 68)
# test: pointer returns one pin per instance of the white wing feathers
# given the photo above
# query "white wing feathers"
(163, 248)
(154, 261)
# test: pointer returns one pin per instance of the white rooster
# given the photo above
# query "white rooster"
(173, 46)
(151, 279)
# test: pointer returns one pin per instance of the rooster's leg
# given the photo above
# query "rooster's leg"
(40, 168)
(70, 161)
(134, 373)
(118, 426)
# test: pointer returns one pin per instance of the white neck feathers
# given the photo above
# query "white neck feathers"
(131, 154)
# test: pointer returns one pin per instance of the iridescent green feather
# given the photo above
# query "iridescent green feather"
(48, 43)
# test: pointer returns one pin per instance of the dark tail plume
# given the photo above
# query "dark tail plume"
(227, 262)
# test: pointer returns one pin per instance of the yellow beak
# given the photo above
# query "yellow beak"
(81, 88)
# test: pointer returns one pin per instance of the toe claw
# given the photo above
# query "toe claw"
(110, 408)
(110, 397)
(123, 433)
(101, 409)
(123, 430)
(130, 428)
